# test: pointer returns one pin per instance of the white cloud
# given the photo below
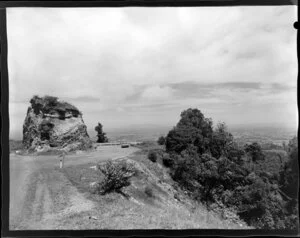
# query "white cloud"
(107, 53)
(157, 93)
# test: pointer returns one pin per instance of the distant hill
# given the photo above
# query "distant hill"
(246, 134)
(134, 133)
(261, 134)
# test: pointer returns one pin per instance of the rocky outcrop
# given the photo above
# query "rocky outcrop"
(51, 123)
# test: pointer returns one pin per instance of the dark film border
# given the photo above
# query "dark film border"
(147, 3)
(5, 232)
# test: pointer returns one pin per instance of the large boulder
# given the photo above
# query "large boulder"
(51, 123)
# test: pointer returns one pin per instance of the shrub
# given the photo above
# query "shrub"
(212, 180)
(48, 104)
(152, 156)
(289, 183)
(186, 169)
(161, 140)
(149, 191)
(211, 166)
(220, 141)
(116, 176)
(36, 104)
(255, 151)
(50, 101)
(167, 160)
(260, 205)
(289, 176)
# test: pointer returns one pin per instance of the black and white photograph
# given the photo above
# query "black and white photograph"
(141, 118)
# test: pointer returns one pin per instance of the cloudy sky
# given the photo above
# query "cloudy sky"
(133, 66)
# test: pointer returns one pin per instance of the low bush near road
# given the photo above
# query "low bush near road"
(116, 176)
(152, 156)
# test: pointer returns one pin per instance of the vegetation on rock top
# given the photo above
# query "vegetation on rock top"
(45, 126)
(50, 104)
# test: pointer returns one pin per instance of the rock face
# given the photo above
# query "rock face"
(51, 123)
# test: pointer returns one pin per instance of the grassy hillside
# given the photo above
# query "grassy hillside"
(151, 201)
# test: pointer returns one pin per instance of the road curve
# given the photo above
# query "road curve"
(40, 194)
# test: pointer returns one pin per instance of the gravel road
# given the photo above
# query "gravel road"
(41, 197)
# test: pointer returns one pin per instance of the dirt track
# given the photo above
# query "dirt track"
(41, 197)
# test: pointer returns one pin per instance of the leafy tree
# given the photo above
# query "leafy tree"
(192, 129)
(186, 167)
(100, 134)
(221, 142)
(289, 180)
(152, 156)
(179, 138)
(255, 151)
(234, 153)
(167, 160)
(293, 144)
(161, 140)
(284, 146)
(209, 164)
(259, 203)
(36, 104)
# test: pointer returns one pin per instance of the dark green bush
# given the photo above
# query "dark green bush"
(50, 104)
(36, 104)
(152, 156)
(192, 129)
(289, 184)
(161, 140)
(211, 180)
(61, 114)
(289, 176)
(167, 160)
(50, 101)
(255, 151)
(211, 166)
(220, 141)
(116, 176)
